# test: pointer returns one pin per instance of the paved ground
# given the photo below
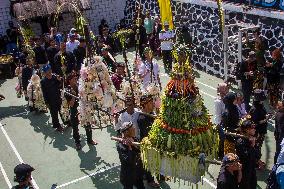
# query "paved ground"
(29, 137)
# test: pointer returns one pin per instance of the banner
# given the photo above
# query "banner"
(166, 12)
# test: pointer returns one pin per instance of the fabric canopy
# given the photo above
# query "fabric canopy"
(24, 9)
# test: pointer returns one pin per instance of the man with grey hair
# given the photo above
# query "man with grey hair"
(219, 105)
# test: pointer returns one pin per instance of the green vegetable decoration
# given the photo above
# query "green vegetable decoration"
(122, 35)
(221, 15)
(26, 32)
(79, 24)
(182, 131)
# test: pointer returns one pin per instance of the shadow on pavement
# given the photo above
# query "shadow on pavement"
(6, 112)
(2, 81)
(107, 179)
(89, 159)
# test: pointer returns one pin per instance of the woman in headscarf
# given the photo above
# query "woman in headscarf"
(230, 121)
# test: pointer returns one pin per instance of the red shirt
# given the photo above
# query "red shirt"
(117, 80)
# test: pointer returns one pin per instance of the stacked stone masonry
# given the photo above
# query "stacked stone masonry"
(203, 21)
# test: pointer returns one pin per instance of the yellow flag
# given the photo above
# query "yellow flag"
(166, 12)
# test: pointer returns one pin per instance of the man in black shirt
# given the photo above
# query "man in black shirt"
(23, 176)
(64, 62)
(51, 51)
(279, 128)
(247, 76)
(145, 121)
(50, 86)
(131, 173)
(107, 40)
(249, 155)
(27, 73)
(80, 53)
(108, 60)
(230, 174)
(140, 32)
(40, 54)
(72, 82)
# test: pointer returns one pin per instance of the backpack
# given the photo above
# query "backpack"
(272, 180)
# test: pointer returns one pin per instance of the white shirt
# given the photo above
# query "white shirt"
(219, 110)
(166, 35)
(145, 70)
(125, 117)
(70, 46)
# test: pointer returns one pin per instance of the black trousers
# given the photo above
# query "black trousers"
(247, 88)
(148, 176)
(138, 184)
(54, 111)
(167, 60)
(75, 126)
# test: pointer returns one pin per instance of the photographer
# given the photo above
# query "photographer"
(23, 176)
(245, 149)
(230, 174)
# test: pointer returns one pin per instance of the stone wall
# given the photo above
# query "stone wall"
(110, 10)
(4, 15)
(202, 18)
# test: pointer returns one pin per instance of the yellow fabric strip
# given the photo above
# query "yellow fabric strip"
(166, 12)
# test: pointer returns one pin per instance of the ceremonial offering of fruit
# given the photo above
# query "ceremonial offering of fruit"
(5, 59)
(96, 92)
(182, 132)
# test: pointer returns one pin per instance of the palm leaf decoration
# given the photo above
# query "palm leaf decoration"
(221, 15)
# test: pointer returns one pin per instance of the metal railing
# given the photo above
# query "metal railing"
(274, 4)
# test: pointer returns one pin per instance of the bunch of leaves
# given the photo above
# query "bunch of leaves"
(122, 35)
(221, 15)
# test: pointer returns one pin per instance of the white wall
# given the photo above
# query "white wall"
(111, 10)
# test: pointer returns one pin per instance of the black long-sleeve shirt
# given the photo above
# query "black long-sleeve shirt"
(246, 67)
(248, 156)
(51, 52)
(128, 159)
(273, 72)
(144, 123)
(40, 55)
(80, 54)
(226, 180)
(258, 113)
(27, 73)
(51, 91)
(69, 61)
(279, 126)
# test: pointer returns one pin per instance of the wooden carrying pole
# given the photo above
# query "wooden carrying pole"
(138, 144)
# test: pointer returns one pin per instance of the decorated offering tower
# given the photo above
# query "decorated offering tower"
(183, 132)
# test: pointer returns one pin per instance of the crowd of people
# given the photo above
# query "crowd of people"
(53, 62)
